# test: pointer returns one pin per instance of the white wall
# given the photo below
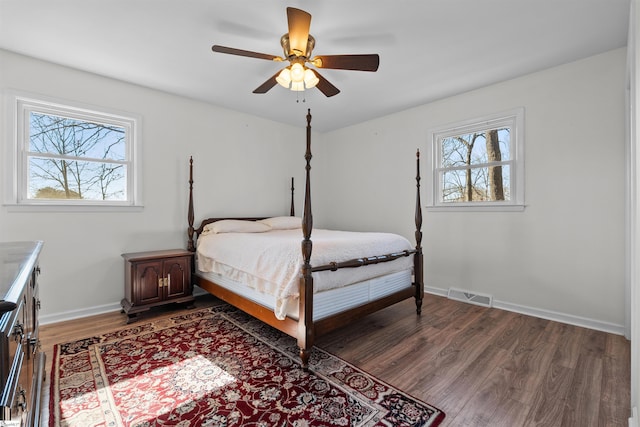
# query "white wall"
(242, 164)
(563, 256)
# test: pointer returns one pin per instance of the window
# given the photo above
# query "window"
(478, 164)
(68, 155)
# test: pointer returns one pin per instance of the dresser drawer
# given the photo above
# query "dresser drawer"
(12, 336)
(13, 403)
(15, 376)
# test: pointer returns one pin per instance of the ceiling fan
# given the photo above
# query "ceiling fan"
(297, 45)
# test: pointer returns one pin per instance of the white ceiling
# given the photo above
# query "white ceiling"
(429, 49)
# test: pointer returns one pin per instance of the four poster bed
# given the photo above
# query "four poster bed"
(264, 266)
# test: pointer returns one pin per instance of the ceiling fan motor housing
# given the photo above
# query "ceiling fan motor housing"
(291, 54)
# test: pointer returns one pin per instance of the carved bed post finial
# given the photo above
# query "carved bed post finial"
(418, 261)
(190, 245)
(418, 204)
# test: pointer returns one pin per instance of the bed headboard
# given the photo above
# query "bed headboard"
(193, 233)
(206, 221)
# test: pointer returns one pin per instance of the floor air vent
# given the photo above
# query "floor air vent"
(470, 297)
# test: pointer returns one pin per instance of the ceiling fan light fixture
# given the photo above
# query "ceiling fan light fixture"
(284, 78)
(310, 78)
(297, 86)
(297, 72)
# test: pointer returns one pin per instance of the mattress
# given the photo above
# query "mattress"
(270, 262)
(325, 303)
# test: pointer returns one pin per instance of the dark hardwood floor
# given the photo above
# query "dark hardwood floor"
(490, 367)
(482, 367)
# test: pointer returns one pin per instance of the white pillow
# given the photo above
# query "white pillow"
(235, 226)
(283, 222)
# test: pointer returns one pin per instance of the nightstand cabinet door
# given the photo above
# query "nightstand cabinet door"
(156, 278)
(177, 274)
(147, 278)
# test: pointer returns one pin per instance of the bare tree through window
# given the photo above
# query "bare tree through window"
(70, 158)
(472, 166)
(478, 164)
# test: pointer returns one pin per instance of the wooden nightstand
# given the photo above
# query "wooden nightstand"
(156, 278)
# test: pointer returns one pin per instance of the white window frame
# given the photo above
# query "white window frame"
(514, 119)
(18, 107)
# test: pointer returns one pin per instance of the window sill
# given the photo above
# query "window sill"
(71, 208)
(476, 208)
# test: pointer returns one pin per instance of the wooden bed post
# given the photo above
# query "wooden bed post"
(306, 331)
(418, 258)
(190, 246)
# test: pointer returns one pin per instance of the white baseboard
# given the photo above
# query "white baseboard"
(197, 291)
(92, 311)
(436, 291)
(633, 421)
(78, 314)
(548, 314)
(584, 322)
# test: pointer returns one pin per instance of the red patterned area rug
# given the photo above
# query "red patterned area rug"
(217, 367)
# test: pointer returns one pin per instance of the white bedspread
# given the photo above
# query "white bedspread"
(271, 262)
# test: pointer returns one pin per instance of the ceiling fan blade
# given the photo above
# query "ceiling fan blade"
(367, 62)
(299, 24)
(325, 86)
(248, 53)
(266, 86)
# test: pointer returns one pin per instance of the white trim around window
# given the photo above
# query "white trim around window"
(442, 165)
(19, 107)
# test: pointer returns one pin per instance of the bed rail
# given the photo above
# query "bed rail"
(360, 262)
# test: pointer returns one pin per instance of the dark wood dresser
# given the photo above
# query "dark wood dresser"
(22, 363)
